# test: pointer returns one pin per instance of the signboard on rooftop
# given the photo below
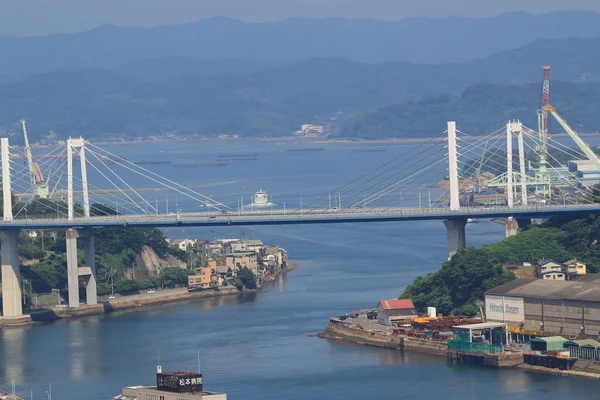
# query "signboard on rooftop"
(504, 309)
(179, 382)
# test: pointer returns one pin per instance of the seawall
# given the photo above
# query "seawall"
(136, 301)
(385, 340)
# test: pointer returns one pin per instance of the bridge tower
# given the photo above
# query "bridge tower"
(455, 228)
(9, 241)
(73, 270)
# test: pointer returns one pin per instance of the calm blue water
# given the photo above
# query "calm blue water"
(258, 347)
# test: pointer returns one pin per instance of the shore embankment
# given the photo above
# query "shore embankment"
(137, 301)
(338, 330)
(369, 337)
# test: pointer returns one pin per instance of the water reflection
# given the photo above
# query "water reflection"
(84, 348)
(13, 351)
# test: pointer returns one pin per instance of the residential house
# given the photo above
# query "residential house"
(184, 244)
(247, 259)
(554, 275)
(574, 268)
(549, 266)
(225, 271)
(389, 311)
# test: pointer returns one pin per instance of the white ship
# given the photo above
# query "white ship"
(261, 199)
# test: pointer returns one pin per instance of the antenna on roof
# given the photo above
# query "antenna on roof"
(198, 360)
(158, 367)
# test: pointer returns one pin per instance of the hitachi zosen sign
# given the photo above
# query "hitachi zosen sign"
(504, 309)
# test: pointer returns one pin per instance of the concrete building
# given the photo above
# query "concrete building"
(248, 259)
(171, 386)
(586, 171)
(206, 279)
(566, 308)
(389, 311)
(242, 246)
(311, 130)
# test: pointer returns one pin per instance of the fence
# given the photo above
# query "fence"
(477, 347)
(584, 353)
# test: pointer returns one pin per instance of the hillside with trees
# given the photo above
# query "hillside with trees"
(479, 110)
(465, 278)
(254, 99)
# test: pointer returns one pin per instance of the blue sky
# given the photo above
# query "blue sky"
(36, 17)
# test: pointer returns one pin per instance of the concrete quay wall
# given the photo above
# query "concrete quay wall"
(385, 340)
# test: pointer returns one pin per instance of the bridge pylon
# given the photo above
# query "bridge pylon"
(88, 271)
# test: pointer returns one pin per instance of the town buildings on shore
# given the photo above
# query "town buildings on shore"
(221, 259)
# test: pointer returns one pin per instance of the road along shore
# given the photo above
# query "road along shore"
(136, 301)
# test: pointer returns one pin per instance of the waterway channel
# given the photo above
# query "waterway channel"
(258, 347)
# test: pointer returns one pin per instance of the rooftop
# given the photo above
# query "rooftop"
(585, 288)
(396, 304)
(481, 326)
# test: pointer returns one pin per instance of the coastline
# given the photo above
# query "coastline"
(305, 140)
(124, 303)
(385, 340)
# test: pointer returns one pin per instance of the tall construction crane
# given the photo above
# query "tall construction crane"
(592, 156)
(38, 185)
(543, 119)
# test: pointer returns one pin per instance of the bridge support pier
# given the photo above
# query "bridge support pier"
(455, 229)
(513, 226)
(88, 270)
(72, 271)
(12, 304)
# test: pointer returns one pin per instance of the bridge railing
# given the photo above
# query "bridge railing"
(302, 214)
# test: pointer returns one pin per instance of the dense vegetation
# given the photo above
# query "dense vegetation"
(464, 279)
(480, 110)
(116, 252)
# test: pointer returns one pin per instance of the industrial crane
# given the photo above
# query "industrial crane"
(592, 156)
(39, 187)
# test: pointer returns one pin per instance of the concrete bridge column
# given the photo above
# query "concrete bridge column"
(12, 304)
(455, 229)
(72, 268)
(89, 270)
(513, 226)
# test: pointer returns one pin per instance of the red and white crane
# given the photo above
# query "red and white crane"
(39, 187)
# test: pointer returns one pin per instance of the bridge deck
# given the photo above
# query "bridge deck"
(315, 216)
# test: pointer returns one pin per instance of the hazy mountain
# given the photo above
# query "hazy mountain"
(275, 102)
(423, 40)
(479, 110)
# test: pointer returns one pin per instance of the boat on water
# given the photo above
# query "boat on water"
(303, 150)
(471, 220)
(261, 199)
(200, 165)
(370, 150)
(241, 155)
(238, 159)
(151, 162)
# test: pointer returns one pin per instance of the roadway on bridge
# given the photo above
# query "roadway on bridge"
(313, 216)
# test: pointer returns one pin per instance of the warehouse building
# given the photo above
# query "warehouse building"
(565, 308)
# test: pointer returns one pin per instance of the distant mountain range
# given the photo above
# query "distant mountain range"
(273, 96)
(419, 40)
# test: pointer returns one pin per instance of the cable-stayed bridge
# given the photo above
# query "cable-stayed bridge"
(451, 177)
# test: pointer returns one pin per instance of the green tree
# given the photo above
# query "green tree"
(173, 276)
(247, 277)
